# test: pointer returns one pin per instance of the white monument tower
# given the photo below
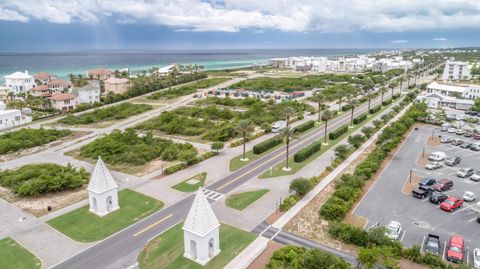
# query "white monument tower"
(102, 190)
(200, 231)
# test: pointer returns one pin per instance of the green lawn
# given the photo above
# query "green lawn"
(277, 170)
(14, 256)
(186, 187)
(83, 226)
(242, 200)
(166, 250)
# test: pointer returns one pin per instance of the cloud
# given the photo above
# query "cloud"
(235, 15)
(399, 41)
(439, 39)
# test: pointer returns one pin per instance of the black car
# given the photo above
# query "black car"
(466, 145)
(426, 182)
(420, 193)
(478, 219)
(432, 245)
(437, 197)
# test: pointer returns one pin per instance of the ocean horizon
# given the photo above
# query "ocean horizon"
(65, 62)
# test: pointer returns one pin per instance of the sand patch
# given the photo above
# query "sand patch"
(411, 183)
(261, 261)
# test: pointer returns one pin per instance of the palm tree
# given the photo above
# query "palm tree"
(369, 96)
(288, 112)
(243, 127)
(326, 116)
(401, 79)
(352, 103)
(319, 97)
(287, 134)
(382, 90)
(339, 95)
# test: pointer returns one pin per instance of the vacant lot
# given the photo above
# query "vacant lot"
(188, 89)
(29, 138)
(117, 112)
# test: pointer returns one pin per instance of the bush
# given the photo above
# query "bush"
(294, 257)
(374, 110)
(216, 146)
(288, 202)
(301, 186)
(387, 102)
(304, 126)
(306, 152)
(360, 119)
(338, 132)
(174, 168)
(342, 151)
(346, 107)
(28, 138)
(267, 144)
(36, 179)
(116, 112)
(356, 140)
(368, 131)
(396, 96)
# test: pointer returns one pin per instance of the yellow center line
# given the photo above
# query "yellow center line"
(153, 225)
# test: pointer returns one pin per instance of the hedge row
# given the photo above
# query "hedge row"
(267, 144)
(304, 126)
(180, 166)
(387, 102)
(338, 132)
(346, 107)
(374, 110)
(396, 96)
(306, 152)
(360, 119)
(348, 190)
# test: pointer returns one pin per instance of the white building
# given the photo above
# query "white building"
(59, 86)
(11, 117)
(19, 82)
(456, 71)
(63, 101)
(102, 190)
(88, 94)
(201, 231)
(469, 91)
(438, 101)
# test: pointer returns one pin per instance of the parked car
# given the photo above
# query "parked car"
(475, 147)
(426, 182)
(465, 172)
(466, 145)
(433, 165)
(451, 204)
(442, 185)
(445, 140)
(437, 197)
(476, 136)
(475, 176)
(455, 249)
(468, 134)
(437, 156)
(394, 229)
(445, 127)
(476, 258)
(432, 245)
(420, 193)
(457, 142)
(451, 130)
(452, 160)
(459, 131)
(469, 196)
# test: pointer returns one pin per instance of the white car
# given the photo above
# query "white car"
(437, 156)
(476, 258)
(476, 176)
(451, 130)
(469, 196)
(433, 165)
(465, 172)
(460, 131)
(394, 229)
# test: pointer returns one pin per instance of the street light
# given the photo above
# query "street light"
(410, 178)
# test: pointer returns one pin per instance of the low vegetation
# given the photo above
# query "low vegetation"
(188, 89)
(36, 179)
(129, 148)
(116, 112)
(84, 226)
(295, 257)
(28, 138)
(186, 186)
(13, 255)
(242, 200)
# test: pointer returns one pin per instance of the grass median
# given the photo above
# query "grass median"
(13, 255)
(83, 226)
(242, 200)
(192, 184)
(277, 170)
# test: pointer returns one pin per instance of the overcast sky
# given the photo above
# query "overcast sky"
(195, 24)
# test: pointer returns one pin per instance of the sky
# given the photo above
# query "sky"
(237, 24)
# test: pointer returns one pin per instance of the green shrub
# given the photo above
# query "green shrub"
(288, 202)
(301, 186)
(374, 110)
(174, 168)
(346, 107)
(338, 132)
(294, 257)
(306, 152)
(36, 179)
(304, 126)
(396, 96)
(387, 102)
(356, 140)
(360, 119)
(267, 144)
(116, 112)
(28, 138)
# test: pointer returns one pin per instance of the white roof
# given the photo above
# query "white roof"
(201, 219)
(445, 87)
(101, 180)
(18, 75)
(10, 112)
(166, 69)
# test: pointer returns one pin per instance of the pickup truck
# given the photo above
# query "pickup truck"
(432, 245)
(420, 193)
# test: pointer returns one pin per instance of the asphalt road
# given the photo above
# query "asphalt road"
(385, 201)
(121, 249)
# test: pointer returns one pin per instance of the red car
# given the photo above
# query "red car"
(451, 203)
(442, 185)
(455, 249)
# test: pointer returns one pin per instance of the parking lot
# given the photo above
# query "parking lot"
(386, 201)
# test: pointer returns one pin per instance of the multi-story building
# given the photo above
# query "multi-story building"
(59, 86)
(63, 101)
(117, 85)
(456, 71)
(44, 78)
(11, 117)
(88, 94)
(100, 74)
(19, 82)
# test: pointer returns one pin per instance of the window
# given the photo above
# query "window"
(67, 102)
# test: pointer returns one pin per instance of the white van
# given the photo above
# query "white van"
(437, 156)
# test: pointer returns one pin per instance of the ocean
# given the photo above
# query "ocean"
(63, 63)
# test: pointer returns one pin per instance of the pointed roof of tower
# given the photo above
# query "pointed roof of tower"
(201, 219)
(101, 180)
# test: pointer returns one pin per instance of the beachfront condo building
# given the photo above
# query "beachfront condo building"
(456, 71)
(19, 82)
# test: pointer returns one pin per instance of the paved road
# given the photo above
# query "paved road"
(121, 249)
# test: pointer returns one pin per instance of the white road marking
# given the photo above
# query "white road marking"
(468, 254)
(472, 219)
(444, 250)
(467, 207)
(423, 244)
(403, 235)
(135, 265)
